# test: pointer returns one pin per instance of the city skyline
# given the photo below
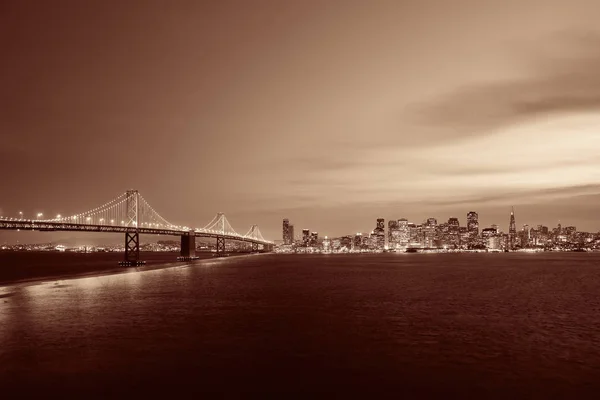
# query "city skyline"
(333, 114)
(432, 235)
(471, 223)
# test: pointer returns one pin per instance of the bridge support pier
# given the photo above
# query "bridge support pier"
(254, 247)
(132, 250)
(188, 248)
(220, 245)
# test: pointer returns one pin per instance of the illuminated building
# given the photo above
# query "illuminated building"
(392, 234)
(453, 238)
(403, 233)
(358, 242)
(429, 231)
(305, 237)
(326, 244)
(335, 244)
(378, 235)
(512, 230)
(473, 224)
(491, 238)
(287, 239)
(415, 232)
(524, 236)
(465, 237)
(314, 239)
(347, 242)
(291, 234)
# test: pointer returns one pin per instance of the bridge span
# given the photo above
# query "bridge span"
(131, 215)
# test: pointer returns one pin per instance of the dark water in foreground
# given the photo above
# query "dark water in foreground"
(423, 325)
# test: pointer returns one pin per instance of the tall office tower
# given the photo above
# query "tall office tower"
(305, 237)
(357, 243)
(392, 233)
(453, 232)
(286, 231)
(429, 232)
(314, 239)
(379, 234)
(403, 232)
(512, 230)
(473, 224)
(292, 237)
(414, 232)
(524, 236)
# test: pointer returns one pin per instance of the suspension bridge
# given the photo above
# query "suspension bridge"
(130, 214)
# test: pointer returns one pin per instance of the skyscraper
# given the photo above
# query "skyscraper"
(392, 233)
(512, 230)
(357, 242)
(286, 231)
(379, 234)
(305, 237)
(404, 232)
(429, 232)
(292, 237)
(314, 239)
(453, 232)
(473, 224)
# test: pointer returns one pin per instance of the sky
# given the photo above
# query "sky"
(329, 113)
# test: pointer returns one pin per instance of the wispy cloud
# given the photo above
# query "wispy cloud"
(562, 80)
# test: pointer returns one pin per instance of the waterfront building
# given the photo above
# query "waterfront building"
(473, 227)
(465, 238)
(326, 245)
(403, 233)
(378, 235)
(393, 234)
(524, 236)
(429, 232)
(291, 233)
(314, 239)
(286, 232)
(492, 239)
(416, 235)
(346, 242)
(512, 230)
(305, 237)
(453, 237)
(357, 243)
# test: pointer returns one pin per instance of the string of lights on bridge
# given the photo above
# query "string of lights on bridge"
(115, 213)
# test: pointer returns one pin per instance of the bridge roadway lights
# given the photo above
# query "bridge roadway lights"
(254, 247)
(188, 248)
(132, 250)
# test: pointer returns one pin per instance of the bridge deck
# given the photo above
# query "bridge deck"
(49, 226)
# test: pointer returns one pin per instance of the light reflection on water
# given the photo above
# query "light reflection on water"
(505, 322)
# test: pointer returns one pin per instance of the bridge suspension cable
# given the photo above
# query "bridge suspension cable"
(149, 217)
(219, 224)
(254, 233)
(117, 212)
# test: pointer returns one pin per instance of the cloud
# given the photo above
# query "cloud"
(562, 80)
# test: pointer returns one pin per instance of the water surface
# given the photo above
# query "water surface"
(485, 325)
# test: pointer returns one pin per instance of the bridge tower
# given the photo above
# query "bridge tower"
(132, 236)
(220, 245)
(188, 247)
